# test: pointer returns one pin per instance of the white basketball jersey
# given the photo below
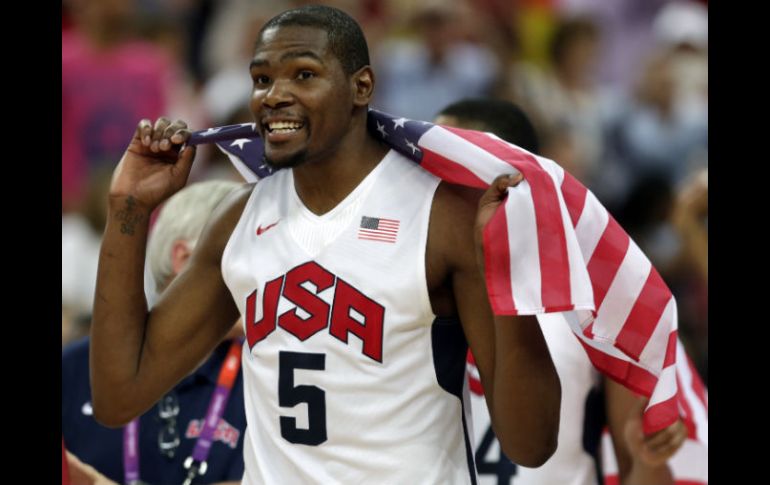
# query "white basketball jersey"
(581, 420)
(349, 377)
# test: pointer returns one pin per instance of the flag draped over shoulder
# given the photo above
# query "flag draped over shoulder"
(550, 247)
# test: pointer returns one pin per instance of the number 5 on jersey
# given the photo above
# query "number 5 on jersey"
(290, 395)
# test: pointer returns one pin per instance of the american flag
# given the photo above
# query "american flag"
(378, 229)
(552, 247)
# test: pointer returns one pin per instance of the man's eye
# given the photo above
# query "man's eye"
(261, 80)
(306, 75)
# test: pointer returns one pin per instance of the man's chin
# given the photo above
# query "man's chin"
(288, 161)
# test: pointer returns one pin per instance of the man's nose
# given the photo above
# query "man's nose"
(278, 95)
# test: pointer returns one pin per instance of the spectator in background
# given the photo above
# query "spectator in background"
(662, 130)
(565, 100)
(110, 79)
(81, 234)
(417, 77)
(168, 431)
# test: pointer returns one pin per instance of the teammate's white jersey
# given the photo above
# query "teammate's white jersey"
(580, 420)
(349, 378)
(689, 465)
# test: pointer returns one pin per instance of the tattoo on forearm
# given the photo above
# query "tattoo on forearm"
(128, 217)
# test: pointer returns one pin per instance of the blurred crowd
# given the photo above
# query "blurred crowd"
(617, 90)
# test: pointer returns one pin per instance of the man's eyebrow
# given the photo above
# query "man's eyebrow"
(287, 56)
(297, 54)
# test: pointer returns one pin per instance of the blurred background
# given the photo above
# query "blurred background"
(617, 90)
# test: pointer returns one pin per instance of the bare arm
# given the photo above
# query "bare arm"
(521, 386)
(641, 460)
(137, 355)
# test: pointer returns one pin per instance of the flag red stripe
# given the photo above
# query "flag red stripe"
(644, 316)
(660, 415)
(367, 238)
(552, 242)
(670, 358)
(475, 386)
(574, 194)
(378, 231)
(376, 234)
(449, 170)
(686, 409)
(632, 376)
(498, 272)
(606, 259)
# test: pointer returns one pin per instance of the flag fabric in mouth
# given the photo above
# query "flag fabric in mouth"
(551, 247)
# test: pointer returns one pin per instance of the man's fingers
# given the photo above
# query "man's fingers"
(666, 435)
(175, 133)
(144, 132)
(661, 446)
(498, 188)
(157, 133)
(668, 439)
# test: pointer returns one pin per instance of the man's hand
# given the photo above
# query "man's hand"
(653, 450)
(154, 166)
(488, 204)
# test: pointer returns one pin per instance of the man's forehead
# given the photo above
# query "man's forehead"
(284, 38)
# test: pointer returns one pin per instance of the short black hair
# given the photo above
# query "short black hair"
(346, 39)
(502, 118)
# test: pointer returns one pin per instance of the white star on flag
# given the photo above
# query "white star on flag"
(381, 129)
(411, 145)
(399, 122)
(240, 142)
(211, 131)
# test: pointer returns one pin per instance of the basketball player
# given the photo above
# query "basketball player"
(357, 275)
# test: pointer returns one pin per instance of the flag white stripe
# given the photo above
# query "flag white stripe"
(654, 352)
(479, 161)
(591, 226)
(378, 231)
(666, 387)
(524, 250)
(622, 293)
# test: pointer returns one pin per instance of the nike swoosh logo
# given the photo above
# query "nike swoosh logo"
(261, 229)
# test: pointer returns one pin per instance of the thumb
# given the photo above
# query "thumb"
(498, 189)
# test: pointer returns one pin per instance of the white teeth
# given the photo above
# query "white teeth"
(284, 126)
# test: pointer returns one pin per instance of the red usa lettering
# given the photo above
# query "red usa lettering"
(336, 318)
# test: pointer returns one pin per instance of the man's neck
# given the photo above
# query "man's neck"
(322, 184)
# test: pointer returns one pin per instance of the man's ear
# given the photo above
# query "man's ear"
(362, 84)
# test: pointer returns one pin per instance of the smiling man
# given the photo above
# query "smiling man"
(358, 276)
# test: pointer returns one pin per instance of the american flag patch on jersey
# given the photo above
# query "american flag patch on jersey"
(378, 229)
